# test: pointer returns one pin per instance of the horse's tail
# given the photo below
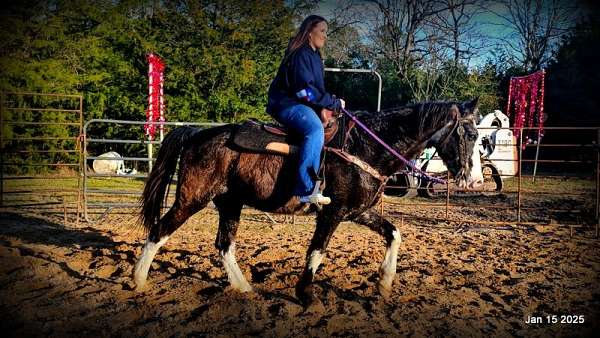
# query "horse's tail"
(162, 174)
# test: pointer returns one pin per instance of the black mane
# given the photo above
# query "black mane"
(431, 113)
(412, 125)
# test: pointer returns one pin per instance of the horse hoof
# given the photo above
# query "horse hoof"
(384, 291)
(311, 303)
(305, 295)
(140, 285)
(314, 306)
(246, 288)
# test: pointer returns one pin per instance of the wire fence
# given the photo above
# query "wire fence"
(119, 192)
(47, 157)
(553, 182)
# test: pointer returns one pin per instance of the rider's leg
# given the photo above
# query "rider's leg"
(303, 120)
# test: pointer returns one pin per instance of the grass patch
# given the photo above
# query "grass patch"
(567, 185)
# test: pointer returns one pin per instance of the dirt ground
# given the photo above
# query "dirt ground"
(453, 279)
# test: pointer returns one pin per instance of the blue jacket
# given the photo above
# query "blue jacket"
(300, 80)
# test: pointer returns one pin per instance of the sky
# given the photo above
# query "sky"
(487, 23)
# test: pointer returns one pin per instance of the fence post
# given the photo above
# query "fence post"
(520, 145)
(83, 174)
(82, 165)
(2, 112)
(150, 155)
(597, 181)
(447, 192)
(537, 153)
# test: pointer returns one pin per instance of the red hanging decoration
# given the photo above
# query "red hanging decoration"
(155, 111)
(526, 94)
(541, 118)
(511, 84)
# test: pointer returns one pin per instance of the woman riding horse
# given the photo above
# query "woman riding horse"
(210, 169)
(296, 94)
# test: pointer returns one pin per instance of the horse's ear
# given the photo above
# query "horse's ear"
(472, 106)
(454, 112)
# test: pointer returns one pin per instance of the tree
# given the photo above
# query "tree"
(574, 77)
(220, 56)
(458, 33)
(397, 33)
(417, 38)
(538, 26)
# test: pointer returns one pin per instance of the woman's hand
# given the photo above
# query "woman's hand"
(343, 103)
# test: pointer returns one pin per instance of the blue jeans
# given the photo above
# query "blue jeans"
(304, 121)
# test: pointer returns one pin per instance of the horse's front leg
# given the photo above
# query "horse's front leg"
(326, 225)
(382, 226)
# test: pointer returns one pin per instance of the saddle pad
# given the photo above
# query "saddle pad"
(251, 137)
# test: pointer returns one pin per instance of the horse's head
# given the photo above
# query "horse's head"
(455, 140)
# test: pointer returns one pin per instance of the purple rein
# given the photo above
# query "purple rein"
(394, 152)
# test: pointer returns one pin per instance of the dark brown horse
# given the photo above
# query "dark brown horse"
(210, 169)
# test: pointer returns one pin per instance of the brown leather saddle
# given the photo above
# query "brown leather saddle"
(260, 137)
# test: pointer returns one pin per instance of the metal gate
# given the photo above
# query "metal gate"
(118, 192)
(39, 151)
(46, 152)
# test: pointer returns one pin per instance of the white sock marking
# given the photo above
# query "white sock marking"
(315, 260)
(234, 274)
(140, 273)
(388, 266)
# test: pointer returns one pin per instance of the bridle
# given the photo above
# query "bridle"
(457, 127)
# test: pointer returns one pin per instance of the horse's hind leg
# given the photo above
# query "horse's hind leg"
(159, 234)
(230, 209)
(382, 226)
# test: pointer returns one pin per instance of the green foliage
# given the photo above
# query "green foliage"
(220, 57)
(360, 91)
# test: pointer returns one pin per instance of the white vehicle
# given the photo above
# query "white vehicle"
(497, 143)
(111, 163)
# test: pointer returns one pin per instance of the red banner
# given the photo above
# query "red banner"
(525, 105)
(155, 113)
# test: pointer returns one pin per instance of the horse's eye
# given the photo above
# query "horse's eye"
(472, 137)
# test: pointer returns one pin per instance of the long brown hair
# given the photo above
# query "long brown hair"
(302, 36)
